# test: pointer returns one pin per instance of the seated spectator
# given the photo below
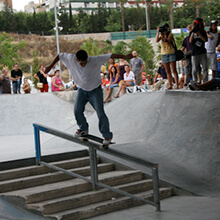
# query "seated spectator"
(104, 82)
(57, 84)
(114, 82)
(162, 72)
(129, 80)
(5, 82)
(212, 84)
(121, 65)
(218, 60)
(26, 86)
(73, 87)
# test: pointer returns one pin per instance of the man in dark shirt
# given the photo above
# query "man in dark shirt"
(16, 76)
(197, 38)
(161, 71)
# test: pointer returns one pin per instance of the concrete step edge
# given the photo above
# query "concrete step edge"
(86, 198)
(37, 170)
(109, 206)
(27, 182)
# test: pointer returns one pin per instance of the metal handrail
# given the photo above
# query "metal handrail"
(93, 147)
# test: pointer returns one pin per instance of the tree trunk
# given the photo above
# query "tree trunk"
(197, 9)
(122, 16)
(171, 16)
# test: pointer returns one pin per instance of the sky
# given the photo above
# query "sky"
(19, 4)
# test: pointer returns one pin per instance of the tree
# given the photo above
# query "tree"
(9, 50)
(91, 47)
(112, 23)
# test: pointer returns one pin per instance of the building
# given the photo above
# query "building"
(37, 7)
(2, 4)
(90, 5)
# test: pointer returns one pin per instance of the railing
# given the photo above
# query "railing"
(93, 147)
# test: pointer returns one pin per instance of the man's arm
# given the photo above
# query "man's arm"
(115, 55)
(48, 68)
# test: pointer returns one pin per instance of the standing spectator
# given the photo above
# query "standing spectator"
(188, 47)
(57, 84)
(112, 63)
(162, 72)
(121, 65)
(129, 79)
(5, 82)
(85, 71)
(211, 44)
(217, 73)
(42, 78)
(114, 82)
(26, 86)
(197, 38)
(168, 53)
(16, 76)
(137, 67)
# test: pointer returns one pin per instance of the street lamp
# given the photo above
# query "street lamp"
(56, 29)
(146, 10)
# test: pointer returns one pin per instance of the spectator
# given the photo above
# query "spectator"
(57, 84)
(5, 82)
(73, 87)
(16, 76)
(183, 82)
(103, 69)
(168, 53)
(218, 60)
(114, 82)
(112, 63)
(85, 72)
(211, 44)
(104, 82)
(26, 86)
(129, 80)
(162, 72)
(121, 65)
(209, 85)
(42, 78)
(137, 67)
(188, 47)
(197, 38)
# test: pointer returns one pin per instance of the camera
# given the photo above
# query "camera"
(195, 28)
(163, 27)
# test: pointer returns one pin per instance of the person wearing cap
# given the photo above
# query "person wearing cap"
(197, 38)
(211, 44)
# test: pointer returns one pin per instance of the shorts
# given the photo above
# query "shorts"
(132, 83)
(216, 81)
(168, 58)
(113, 85)
(188, 67)
(212, 59)
(138, 78)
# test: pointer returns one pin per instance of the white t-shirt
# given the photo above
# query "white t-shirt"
(87, 77)
(130, 76)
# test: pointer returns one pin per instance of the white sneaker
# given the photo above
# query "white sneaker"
(106, 141)
(80, 133)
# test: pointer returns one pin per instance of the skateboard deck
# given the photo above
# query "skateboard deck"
(96, 139)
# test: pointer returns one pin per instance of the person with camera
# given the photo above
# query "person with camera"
(168, 53)
(211, 44)
(197, 38)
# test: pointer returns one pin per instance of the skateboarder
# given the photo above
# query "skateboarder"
(85, 71)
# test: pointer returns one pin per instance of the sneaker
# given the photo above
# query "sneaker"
(106, 141)
(193, 85)
(80, 133)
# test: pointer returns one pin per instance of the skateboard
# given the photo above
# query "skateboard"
(99, 140)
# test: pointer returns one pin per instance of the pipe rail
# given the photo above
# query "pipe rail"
(93, 147)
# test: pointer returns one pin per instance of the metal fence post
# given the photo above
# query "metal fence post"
(93, 167)
(156, 187)
(37, 145)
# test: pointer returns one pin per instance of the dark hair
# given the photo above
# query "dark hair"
(81, 55)
(211, 23)
(56, 71)
(113, 67)
(200, 21)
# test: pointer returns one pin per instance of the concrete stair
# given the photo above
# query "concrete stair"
(59, 196)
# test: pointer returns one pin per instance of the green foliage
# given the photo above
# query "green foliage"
(121, 47)
(113, 23)
(9, 50)
(179, 40)
(91, 47)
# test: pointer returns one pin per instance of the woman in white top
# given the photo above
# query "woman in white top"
(129, 80)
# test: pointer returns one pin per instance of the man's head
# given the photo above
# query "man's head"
(81, 57)
(218, 48)
(5, 72)
(213, 26)
(134, 53)
(161, 64)
(16, 66)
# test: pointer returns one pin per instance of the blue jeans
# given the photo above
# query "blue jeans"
(95, 98)
(16, 86)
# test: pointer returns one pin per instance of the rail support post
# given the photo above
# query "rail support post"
(93, 167)
(156, 188)
(37, 145)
